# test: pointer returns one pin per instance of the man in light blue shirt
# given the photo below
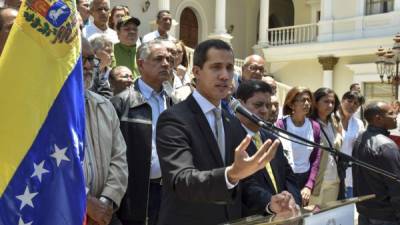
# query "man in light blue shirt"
(138, 108)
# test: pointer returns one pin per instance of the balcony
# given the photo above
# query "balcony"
(293, 35)
(352, 36)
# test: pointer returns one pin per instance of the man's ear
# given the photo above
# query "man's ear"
(139, 63)
(196, 71)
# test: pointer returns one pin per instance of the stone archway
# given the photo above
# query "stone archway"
(188, 27)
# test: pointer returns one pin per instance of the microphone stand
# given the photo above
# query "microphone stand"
(346, 158)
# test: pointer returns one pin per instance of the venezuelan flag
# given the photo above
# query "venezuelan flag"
(42, 118)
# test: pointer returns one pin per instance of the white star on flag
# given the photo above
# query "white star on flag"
(39, 170)
(21, 222)
(59, 155)
(26, 198)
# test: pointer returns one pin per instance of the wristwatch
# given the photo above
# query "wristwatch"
(268, 209)
(106, 200)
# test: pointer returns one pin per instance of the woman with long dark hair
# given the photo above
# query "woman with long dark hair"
(328, 183)
(352, 127)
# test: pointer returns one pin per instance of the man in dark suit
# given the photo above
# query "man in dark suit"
(277, 176)
(202, 155)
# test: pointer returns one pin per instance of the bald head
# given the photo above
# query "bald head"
(271, 81)
(380, 114)
(7, 17)
(253, 67)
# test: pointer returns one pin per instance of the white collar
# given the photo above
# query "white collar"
(249, 132)
(145, 89)
(205, 105)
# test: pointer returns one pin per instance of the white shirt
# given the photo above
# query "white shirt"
(354, 128)
(298, 155)
(91, 31)
(207, 108)
(155, 35)
(158, 104)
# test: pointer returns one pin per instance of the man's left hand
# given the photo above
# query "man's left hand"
(283, 203)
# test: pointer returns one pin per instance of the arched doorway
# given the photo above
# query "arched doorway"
(189, 28)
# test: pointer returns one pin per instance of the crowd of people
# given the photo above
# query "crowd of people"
(164, 146)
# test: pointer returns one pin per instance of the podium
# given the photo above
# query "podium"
(331, 213)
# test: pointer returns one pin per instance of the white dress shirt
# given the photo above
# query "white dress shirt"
(91, 31)
(155, 35)
(354, 128)
(207, 108)
(158, 104)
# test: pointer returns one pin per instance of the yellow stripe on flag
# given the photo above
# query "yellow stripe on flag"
(32, 73)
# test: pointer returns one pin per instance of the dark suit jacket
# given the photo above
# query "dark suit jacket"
(284, 178)
(194, 186)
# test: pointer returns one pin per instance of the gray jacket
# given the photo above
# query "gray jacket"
(106, 169)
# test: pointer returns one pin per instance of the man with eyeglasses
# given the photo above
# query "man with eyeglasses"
(105, 166)
(100, 10)
(138, 109)
(253, 68)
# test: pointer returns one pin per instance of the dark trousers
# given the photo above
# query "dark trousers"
(301, 179)
(153, 205)
(363, 220)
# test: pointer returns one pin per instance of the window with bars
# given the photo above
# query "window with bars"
(378, 6)
(374, 91)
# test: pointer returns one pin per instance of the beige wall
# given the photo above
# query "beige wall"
(308, 73)
(341, 12)
(135, 9)
(243, 15)
(302, 12)
(299, 73)
(343, 76)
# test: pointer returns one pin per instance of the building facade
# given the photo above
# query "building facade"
(312, 43)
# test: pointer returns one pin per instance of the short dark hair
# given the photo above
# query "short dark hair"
(248, 88)
(354, 95)
(353, 85)
(161, 12)
(200, 53)
(373, 109)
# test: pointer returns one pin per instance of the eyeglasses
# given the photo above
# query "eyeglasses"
(255, 68)
(92, 60)
(105, 9)
(302, 100)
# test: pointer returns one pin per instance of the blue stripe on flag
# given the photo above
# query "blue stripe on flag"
(48, 187)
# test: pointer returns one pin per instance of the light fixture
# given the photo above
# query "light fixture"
(387, 64)
(230, 29)
(146, 6)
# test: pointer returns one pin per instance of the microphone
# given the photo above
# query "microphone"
(235, 105)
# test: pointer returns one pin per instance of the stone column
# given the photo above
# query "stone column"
(327, 62)
(264, 22)
(163, 4)
(396, 5)
(326, 22)
(220, 14)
